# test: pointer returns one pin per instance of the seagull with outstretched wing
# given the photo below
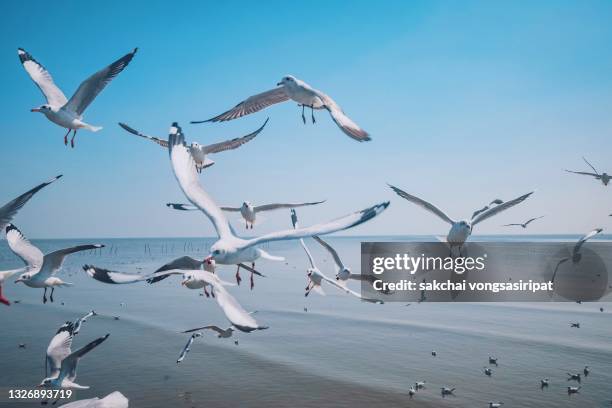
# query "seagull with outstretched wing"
(603, 177)
(524, 224)
(198, 151)
(291, 88)
(68, 113)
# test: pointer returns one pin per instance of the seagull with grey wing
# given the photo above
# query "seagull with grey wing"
(61, 362)
(524, 224)
(291, 88)
(460, 230)
(497, 201)
(247, 210)
(198, 151)
(576, 255)
(41, 269)
(229, 249)
(7, 212)
(68, 113)
(604, 177)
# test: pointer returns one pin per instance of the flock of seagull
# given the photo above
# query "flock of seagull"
(187, 161)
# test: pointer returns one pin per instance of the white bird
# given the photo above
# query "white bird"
(573, 390)
(69, 113)
(187, 347)
(229, 249)
(41, 269)
(544, 382)
(247, 210)
(10, 209)
(234, 312)
(524, 224)
(493, 360)
(302, 93)
(411, 392)
(61, 361)
(343, 272)
(419, 385)
(447, 391)
(198, 151)
(495, 404)
(4, 275)
(316, 277)
(488, 371)
(112, 400)
(221, 333)
(604, 177)
(460, 230)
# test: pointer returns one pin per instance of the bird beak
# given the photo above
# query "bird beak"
(35, 110)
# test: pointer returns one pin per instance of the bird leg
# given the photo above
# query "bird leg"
(312, 114)
(252, 278)
(238, 278)
(3, 299)
(72, 140)
(66, 137)
(206, 292)
(45, 296)
(51, 297)
(303, 116)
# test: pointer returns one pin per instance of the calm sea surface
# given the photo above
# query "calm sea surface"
(340, 353)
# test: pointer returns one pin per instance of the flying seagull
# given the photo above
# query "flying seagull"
(229, 249)
(187, 347)
(291, 88)
(40, 269)
(460, 230)
(576, 254)
(199, 151)
(525, 224)
(247, 209)
(10, 209)
(316, 277)
(69, 113)
(497, 201)
(61, 361)
(112, 400)
(604, 177)
(343, 272)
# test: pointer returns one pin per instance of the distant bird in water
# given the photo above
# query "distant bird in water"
(411, 392)
(116, 317)
(69, 113)
(525, 224)
(601, 309)
(447, 391)
(291, 88)
(488, 371)
(462, 229)
(419, 385)
(493, 360)
(22, 345)
(495, 404)
(574, 377)
(586, 371)
(433, 353)
(604, 177)
(573, 390)
(576, 325)
(544, 383)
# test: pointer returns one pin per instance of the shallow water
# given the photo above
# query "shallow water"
(341, 352)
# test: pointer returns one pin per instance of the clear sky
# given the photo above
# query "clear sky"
(465, 102)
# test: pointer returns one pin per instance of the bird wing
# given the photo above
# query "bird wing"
(276, 206)
(590, 165)
(9, 210)
(92, 86)
(59, 348)
(233, 311)
(161, 142)
(53, 261)
(584, 173)
(529, 221)
(112, 400)
(422, 203)
(185, 173)
(182, 207)
(511, 225)
(294, 221)
(69, 364)
(348, 221)
(585, 238)
(233, 209)
(233, 143)
(252, 104)
(119, 278)
(211, 327)
(345, 123)
(499, 208)
(29, 254)
(182, 263)
(345, 289)
(86, 403)
(42, 78)
(187, 347)
(332, 251)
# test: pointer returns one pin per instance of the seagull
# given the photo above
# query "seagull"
(433, 353)
(488, 371)
(573, 390)
(576, 255)
(69, 113)
(112, 400)
(10, 209)
(493, 360)
(447, 391)
(343, 272)
(306, 97)
(40, 269)
(576, 325)
(221, 333)
(544, 383)
(497, 201)
(525, 224)
(316, 277)
(495, 404)
(573, 377)
(460, 230)
(187, 347)
(229, 249)
(61, 362)
(411, 391)
(247, 210)
(604, 177)
(419, 385)
(586, 371)
(4, 275)
(199, 151)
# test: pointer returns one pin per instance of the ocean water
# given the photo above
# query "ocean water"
(340, 353)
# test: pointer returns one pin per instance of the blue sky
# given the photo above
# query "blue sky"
(465, 102)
